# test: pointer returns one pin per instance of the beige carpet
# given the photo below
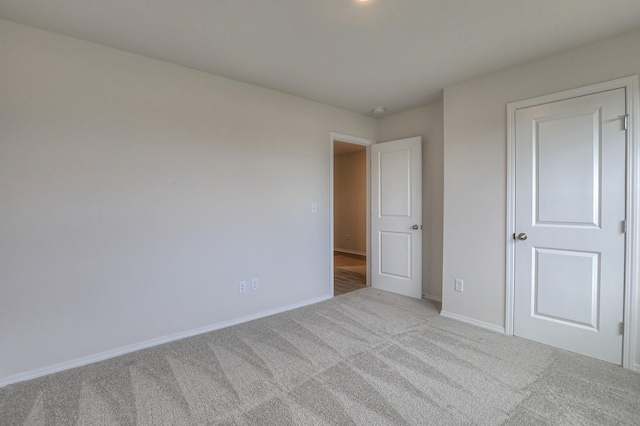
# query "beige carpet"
(364, 358)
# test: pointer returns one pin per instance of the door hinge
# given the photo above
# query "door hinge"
(622, 328)
(625, 119)
(624, 226)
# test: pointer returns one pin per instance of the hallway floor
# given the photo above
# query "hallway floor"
(350, 273)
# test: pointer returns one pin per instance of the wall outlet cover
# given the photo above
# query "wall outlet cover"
(459, 285)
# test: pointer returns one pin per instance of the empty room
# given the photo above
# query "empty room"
(186, 238)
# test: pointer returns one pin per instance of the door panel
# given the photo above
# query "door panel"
(396, 206)
(562, 276)
(395, 254)
(570, 203)
(567, 150)
(395, 189)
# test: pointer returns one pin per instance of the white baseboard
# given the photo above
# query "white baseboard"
(432, 297)
(78, 362)
(348, 251)
(472, 321)
(636, 368)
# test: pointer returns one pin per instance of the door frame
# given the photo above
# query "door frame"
(632, 243)
(333, 137)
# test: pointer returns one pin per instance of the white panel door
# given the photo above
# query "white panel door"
(570, 207)
(396, 216)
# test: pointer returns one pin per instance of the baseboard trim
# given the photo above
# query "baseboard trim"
(481, 324)
(432, 297)
(636, 368)
(79, 362)
(348, 251)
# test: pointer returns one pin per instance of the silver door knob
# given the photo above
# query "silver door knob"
(522, 236)
(415, 227)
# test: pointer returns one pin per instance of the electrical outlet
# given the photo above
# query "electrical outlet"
(254, 284)
(242, 287)
(459, 285)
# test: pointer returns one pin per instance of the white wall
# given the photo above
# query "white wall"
(427, 122)
(475, 164)
(350, 202)
(135, 194)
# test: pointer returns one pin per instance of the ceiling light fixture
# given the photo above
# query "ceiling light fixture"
(378, 110)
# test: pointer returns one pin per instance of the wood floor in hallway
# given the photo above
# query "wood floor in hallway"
(350, 274)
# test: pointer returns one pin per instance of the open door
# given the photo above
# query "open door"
(396, 216)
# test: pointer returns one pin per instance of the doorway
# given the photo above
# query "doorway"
(349, 216)
(349, 213)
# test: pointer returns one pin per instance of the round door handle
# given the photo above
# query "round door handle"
(415, 227)
(522, 236)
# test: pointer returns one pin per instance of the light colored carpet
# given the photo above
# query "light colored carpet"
(364, 358)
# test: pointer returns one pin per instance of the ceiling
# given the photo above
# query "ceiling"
(393, 53)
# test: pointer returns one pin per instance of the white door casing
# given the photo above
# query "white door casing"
(396, 216)
(569, 272)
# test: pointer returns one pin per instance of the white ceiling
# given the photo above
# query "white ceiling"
(393, 53)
